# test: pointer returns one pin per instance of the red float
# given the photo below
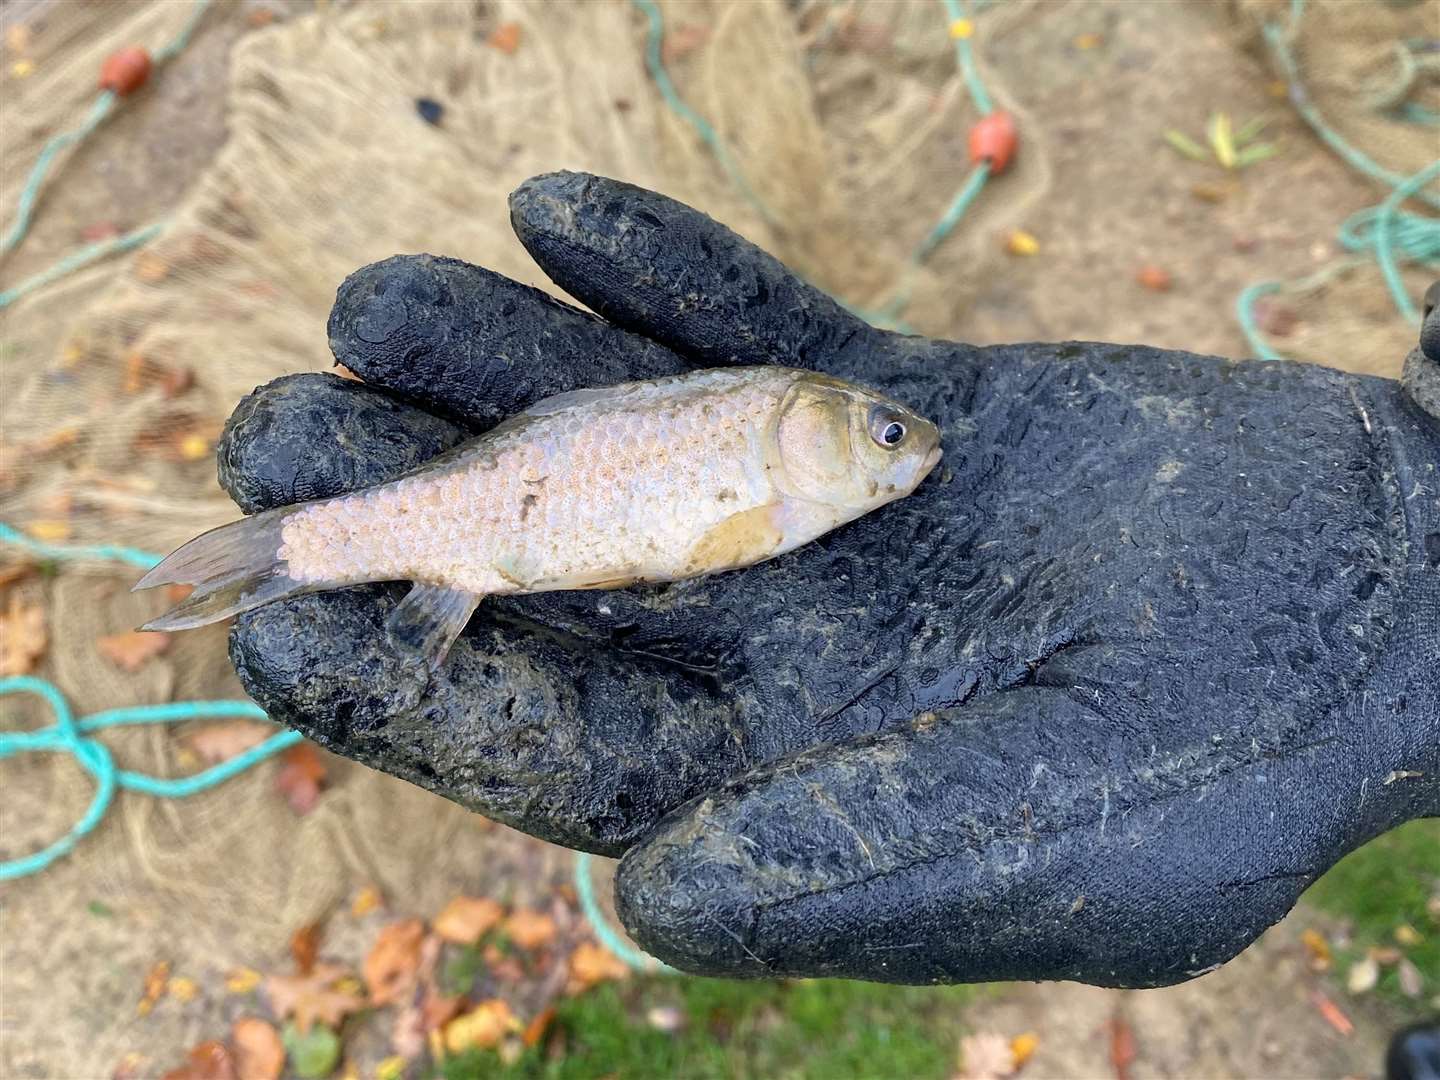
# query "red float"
(994, 140)
(125, 70)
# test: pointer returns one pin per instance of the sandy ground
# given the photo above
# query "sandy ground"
(1103, 218)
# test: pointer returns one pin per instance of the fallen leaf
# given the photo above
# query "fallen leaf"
(1331, 1013)
(174, 381)
(366, 901)
(591, 964)
(1318, 948)
(156, 979)
(1020, 242)
(135, 365)
(1088, 41)
(17, 571)
(208, 1061)
(391, 966)
(666, 1018)
(182, 989)
(131, 650)
(438, 1010)
(215, 743)
(1154, 278)
(502, 965)
(49, 529)
(193, 447)
(535, 1030)
(22, 637)
(481, 1028)
(985, 1056)
(392, 1068)
(408, 1035)
(242, 980)
(1363, 975)
(313, 1053)
(259, 1053)
(506, 38)
(1412, 983)
(682, 39)
(151, 268)
(1023, 1047)
(22, 69)
(129, 1067)
(1408, 936)
(1122, 1046)
(467, 918)
(313, 997)
(530, 929)
(305, 947)
(1386, 956)
(300, 777)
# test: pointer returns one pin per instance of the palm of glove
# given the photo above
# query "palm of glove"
(1096, 702)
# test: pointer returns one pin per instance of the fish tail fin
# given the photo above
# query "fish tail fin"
(234, 568)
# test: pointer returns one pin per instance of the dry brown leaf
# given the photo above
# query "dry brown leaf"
(530, 929)
(182, 989)
(1122, 1046)
(16, 571)
(436, 1010)
(305, 947)
(132, 649)
(682, 39)
(242, 980)
(985, 1056)
(366, 901)
(22, 637)
(501, 965)
(156, 980)
(313, 997)
(591, 964)
(300, 777)
(468, 918)
(535, 1030)
(259, 1053)
(391, 967)
(1318, 948)
(481, 1028)
(208, 1061)
(506, 38)
(215, 743)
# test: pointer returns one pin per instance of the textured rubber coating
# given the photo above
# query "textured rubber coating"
(1156, 645)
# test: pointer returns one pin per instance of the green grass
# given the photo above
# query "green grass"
(1381, 886)
(821, 1028)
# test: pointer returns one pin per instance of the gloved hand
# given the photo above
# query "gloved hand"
(1156, 645)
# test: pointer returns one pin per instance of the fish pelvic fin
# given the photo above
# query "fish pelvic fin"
(234, 568)
(426, 623)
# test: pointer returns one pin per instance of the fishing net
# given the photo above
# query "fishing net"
(845, 134)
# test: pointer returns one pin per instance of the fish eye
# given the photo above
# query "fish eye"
(886, 427)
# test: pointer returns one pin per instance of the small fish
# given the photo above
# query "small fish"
(591, 489)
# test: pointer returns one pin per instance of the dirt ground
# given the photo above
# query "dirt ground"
(1114, 199)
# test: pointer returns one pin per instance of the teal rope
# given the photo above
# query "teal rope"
(144, 560)
(1384, 228)
(65, 735)
(889, 315)
(604, 933)
(84, 257)
(29, 194)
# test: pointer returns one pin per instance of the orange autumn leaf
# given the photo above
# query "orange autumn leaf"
(305, 947)
(506, 38)
(300, 778)
(156, 980)
(132, 649)
(530, 929)
(366, 901)
(591, 964)
(215, 743)
(1332, 1014)
(208, 1061)
(312, 997)
(391, 967)
(259, 1053)
(22, 637)
(467, 918)
(482, 1028)
(535, 1030)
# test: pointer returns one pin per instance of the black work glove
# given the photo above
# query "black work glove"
(1156, 645)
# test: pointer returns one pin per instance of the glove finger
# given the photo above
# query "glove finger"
(572, 744)
(310, 436)
(992, 843)
(474, 345)
(660, 268)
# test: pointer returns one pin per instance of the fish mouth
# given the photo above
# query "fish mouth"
(931, 460)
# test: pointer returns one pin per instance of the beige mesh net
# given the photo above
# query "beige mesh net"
(117, 379)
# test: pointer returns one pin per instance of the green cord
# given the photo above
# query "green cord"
(604, 932)
(84, 257)
(144, 560)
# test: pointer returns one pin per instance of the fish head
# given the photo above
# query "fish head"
(849, 447)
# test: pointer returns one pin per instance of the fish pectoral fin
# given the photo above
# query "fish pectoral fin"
(739, 540)
(427, 622)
